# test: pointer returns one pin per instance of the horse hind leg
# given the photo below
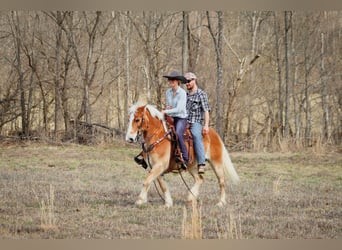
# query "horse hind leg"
(194, 191)
(219, 172)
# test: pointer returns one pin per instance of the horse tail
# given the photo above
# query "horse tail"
(228, 165)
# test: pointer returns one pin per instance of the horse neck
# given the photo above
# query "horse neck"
(155, 131)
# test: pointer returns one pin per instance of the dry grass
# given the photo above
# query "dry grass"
(47, 210)
(192, 229)
(231, 229)
(82, 192)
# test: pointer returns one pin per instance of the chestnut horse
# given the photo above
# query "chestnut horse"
(147, 121)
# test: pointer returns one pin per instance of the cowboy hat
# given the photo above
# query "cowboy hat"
(174, 75)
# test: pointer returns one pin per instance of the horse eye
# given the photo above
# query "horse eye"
(137, 120)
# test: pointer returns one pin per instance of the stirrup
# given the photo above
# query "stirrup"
(178, 160)
(184, 166)
(140, 161)
(181, 162)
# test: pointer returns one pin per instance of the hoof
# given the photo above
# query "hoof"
(168, 205)
(221, 204)
(140, 202)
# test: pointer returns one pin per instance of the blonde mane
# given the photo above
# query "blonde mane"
(153, 111)
(157, 114)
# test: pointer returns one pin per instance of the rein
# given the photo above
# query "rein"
(151, 146)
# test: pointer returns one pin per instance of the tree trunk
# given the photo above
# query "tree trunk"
(59, 21)
(185, 42)
(256, 20)
(279, 116)
(296, 111)
(128, 72)
(17, 41)
(194, 41)
(64, 90)
(218, 49)
(61, 77)
(287, 20)
(308, 119)
(325, 106)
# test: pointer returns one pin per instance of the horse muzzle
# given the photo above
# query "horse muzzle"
(131, 139)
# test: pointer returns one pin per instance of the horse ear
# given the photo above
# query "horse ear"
(146, 121)
(146, 117)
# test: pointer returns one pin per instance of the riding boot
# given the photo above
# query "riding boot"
(141, 161)
(179, 158)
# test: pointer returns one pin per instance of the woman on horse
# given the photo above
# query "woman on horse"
(176, 108)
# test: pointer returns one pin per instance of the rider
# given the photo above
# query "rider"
(198, 117)
(176, 108)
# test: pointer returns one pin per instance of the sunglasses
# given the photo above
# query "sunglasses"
(190, 80)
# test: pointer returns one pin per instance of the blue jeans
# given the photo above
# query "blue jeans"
(196, 130)
(180, 126)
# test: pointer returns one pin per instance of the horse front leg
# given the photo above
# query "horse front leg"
(165, 189)
(153, 174)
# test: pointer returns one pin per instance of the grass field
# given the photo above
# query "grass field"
(81, 192)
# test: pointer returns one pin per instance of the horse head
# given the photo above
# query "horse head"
(136, 122)
(140, 118)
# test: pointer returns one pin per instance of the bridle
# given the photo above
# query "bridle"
(149, 148)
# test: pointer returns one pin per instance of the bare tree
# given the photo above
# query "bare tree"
(185, 44)
(294, 63)
(279, 73)
(63, 64)
(256, 20)
(59, 20)
(324, 91)
(88, 69)
(195, 38)
(17, 36)
(63, 58)
(217, 37)
(287, 27)
(152, 27)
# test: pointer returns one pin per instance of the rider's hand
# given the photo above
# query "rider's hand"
(205, 130)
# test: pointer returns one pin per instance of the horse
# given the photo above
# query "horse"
(149, 122)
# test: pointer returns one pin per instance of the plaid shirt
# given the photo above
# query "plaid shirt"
(196, 105)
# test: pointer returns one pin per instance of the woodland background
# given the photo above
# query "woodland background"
(273, 78)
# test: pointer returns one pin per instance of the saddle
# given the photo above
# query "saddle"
(175, 150)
